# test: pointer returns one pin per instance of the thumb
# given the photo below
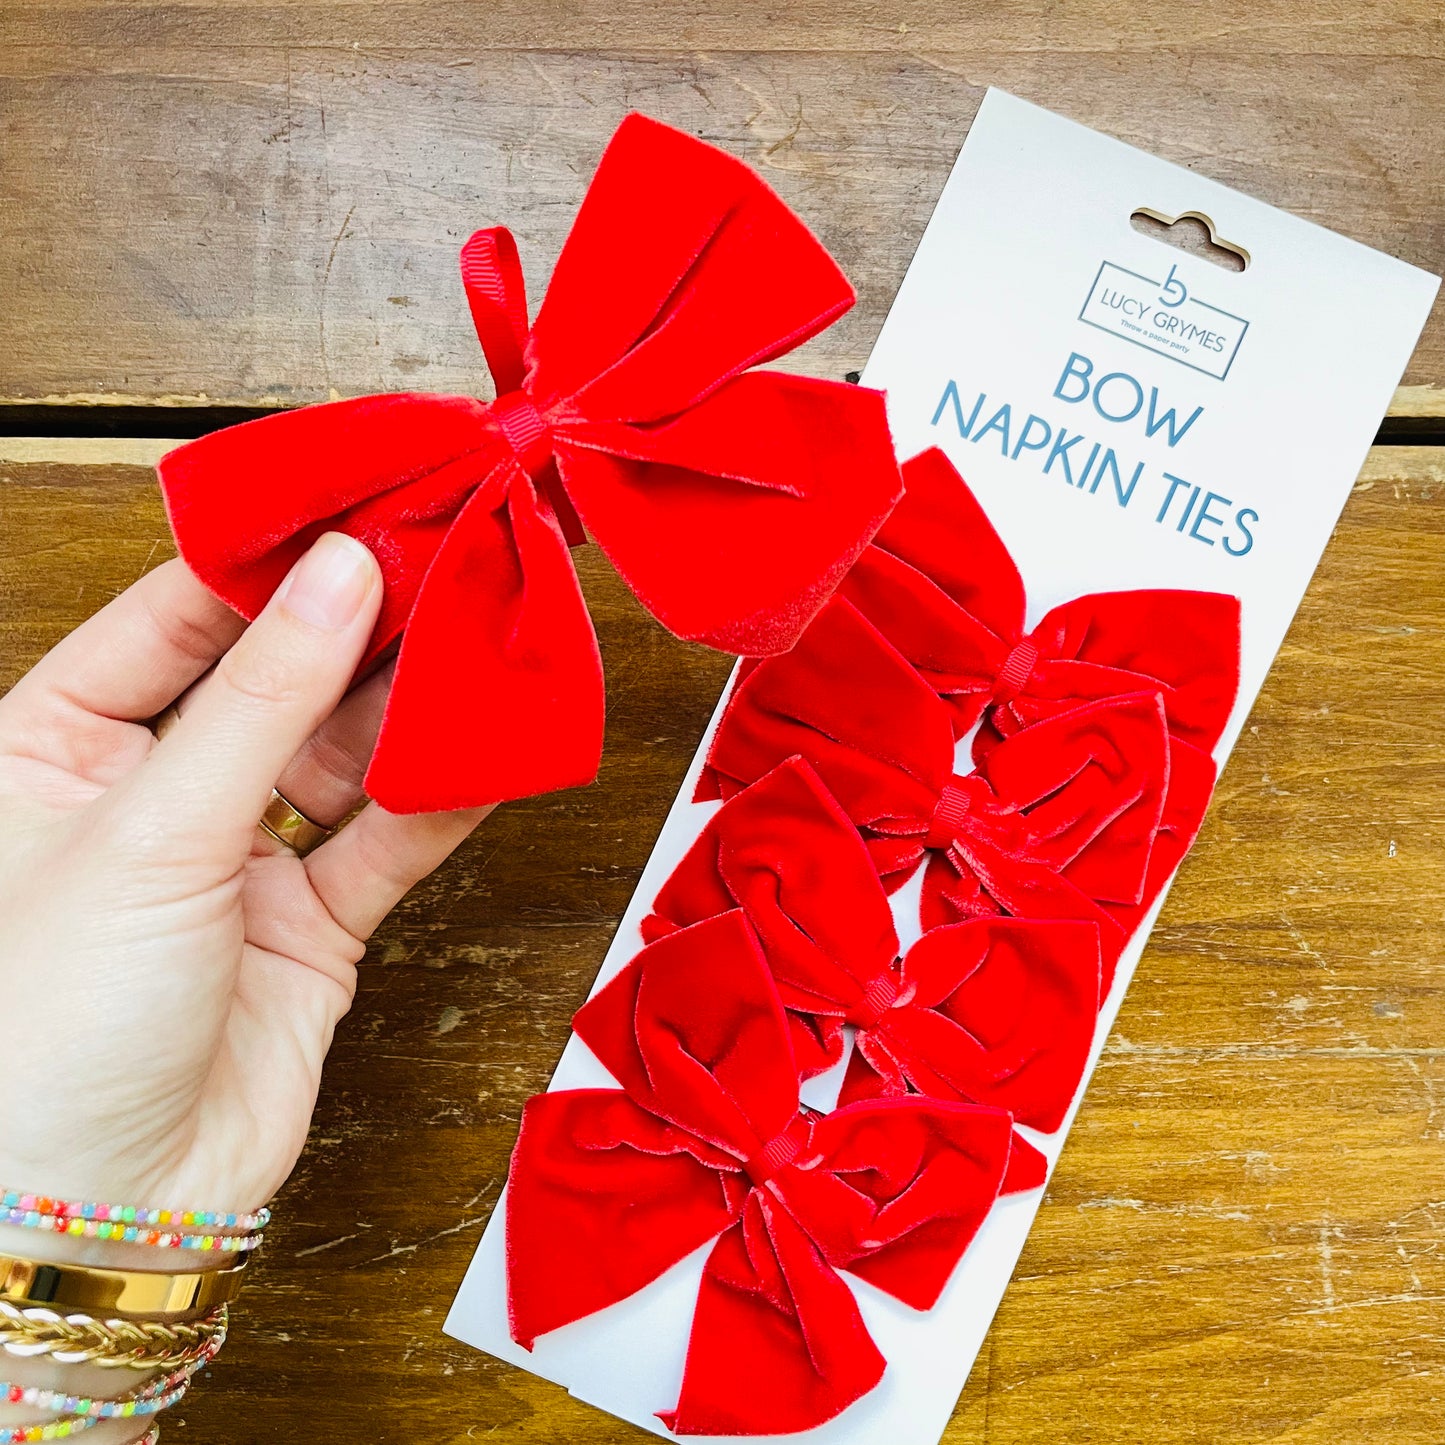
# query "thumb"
(202, 790)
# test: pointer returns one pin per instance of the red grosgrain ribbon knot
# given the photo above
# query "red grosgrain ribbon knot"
(954, 802)
(1065, 819)
(528, 435)
(1017, 668)
(875, 1001)
(610, 1188)
(780, 1151)
(994, 1011)
(731, 500)
(939, 584)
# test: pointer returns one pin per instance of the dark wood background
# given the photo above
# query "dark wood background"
(259, 204)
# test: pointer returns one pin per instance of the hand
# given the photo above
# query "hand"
(169, 984)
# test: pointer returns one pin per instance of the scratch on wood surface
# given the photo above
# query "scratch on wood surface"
(330, 1244)
(321, 300)
(1327, 1255)
(1301, 942)
(400, 1249)
(1182, 1211)
(1118, 1049)
(1432, 1104)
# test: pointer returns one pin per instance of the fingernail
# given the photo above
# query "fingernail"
(329, 584)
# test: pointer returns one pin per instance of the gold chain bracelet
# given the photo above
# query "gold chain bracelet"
(111, 1344)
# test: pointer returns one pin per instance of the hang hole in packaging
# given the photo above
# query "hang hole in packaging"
(1191, 232)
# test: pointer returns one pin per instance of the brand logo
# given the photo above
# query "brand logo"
(1162, 316)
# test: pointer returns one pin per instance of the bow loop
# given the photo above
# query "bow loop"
(1000, 1011)
(497, 295)
(726, 1072)
(681, 271)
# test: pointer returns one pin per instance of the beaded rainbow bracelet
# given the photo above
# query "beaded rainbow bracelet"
(84, 1420)
(55, 1430)
(121, 1233)
(13, 1200)
(201, 1229)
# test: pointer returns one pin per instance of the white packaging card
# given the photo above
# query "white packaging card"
(1129, 415)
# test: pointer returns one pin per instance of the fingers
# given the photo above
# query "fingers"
(206, 783)
(130, 659)
(366, 869)
(324, 779)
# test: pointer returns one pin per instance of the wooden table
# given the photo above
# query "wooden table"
(213, 205)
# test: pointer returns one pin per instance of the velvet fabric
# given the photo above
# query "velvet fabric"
(997, 1011)
(732, 501)
(993, 1011)
(704, 1141)
(1057, 822)
(785, 853)
(940, 585)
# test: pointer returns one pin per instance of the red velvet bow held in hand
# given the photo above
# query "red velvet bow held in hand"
(996, 1011)
(731, 501)
(940, 585)
(706, 1141)
(1060, 821)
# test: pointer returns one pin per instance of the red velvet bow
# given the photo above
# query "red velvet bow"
(993, 1011)
(1059, 821)
(706, 1141)
(732, 502)
(940, 585)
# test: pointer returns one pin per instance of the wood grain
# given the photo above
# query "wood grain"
(252, 202)
(1242, 1241)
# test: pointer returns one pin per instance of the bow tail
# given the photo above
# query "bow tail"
(1027, 1167)
(498, 691)
(874, 1073)
(778, 1344)
(602, 1199)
